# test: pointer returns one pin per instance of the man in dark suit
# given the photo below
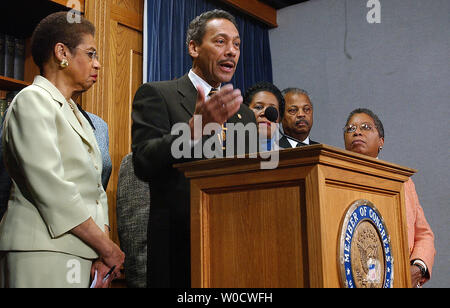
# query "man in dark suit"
(297, 120)
(214, 45)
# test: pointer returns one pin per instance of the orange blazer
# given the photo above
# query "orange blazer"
(420, 235)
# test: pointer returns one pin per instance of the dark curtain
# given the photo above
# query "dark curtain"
(167, 23)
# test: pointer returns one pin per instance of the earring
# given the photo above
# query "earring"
(381, 148)
(64, 63)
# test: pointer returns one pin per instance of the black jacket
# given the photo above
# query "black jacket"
(157, 107)
(285, 144)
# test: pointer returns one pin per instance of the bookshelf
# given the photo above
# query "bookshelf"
(10, 84)
(19, 19)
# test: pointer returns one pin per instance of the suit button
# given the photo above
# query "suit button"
(98, 202)
(96, 167)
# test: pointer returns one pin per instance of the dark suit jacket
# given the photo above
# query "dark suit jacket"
(285, 144)
(157, 107)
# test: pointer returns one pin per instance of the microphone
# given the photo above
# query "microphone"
(271, 114)
(292, 138)
(289, 137)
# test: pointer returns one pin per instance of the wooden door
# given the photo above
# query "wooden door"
(119, 40)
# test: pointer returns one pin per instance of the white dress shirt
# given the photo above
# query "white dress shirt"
(294, 143)
(197, 81)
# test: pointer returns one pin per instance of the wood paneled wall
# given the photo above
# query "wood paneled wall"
(119, 41)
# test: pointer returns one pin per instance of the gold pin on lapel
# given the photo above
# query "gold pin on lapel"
(239, 116)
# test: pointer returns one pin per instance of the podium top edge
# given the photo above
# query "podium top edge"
(306, 155)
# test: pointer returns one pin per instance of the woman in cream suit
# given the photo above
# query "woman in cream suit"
(55, 231)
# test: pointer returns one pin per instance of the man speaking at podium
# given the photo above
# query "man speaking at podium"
(214, 45)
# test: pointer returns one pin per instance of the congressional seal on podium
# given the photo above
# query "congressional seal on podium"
(365, 254)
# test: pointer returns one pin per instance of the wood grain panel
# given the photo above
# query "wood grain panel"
(96, 100)
(120, 49)
(128, 13)
(127, 18)
(236, 208)
(125, 77)
(130, 5)
(66, 2)
(254, 231)
(314, 231)
(203, 225)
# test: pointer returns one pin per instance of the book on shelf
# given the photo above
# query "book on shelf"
(6, 97)
(10, 45)
(2, 54)
(19, 59)
(12, 57)
(3, 106)
(3, 103)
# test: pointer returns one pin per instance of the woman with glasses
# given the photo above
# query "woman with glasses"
(364, 134)
(55, 231)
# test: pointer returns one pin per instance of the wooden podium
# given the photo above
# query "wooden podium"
(254, 228)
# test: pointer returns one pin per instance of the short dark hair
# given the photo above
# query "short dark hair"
(265, 87)
(376, 120)
(56, 28)
(197, 27)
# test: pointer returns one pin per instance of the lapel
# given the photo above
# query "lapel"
(188, 99)
(65, 108)
(242, 115)
(188, 94)
(284, 143)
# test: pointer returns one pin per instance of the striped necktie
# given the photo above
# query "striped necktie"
(223, 136)
(213, 91)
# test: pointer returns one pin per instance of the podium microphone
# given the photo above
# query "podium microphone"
(292, 138)
(271, 114)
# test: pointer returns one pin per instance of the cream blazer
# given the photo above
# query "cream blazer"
(55, 165)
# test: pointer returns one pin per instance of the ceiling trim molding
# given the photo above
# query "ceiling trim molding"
(257, 9)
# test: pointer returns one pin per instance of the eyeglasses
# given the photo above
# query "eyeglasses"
(352, 128)
(92, 54)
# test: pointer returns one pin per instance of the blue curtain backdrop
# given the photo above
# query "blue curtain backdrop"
(167, 56)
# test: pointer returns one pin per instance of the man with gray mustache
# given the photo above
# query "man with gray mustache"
(298, 119)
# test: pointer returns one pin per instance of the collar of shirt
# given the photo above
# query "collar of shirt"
(199, 82)
(294, 143)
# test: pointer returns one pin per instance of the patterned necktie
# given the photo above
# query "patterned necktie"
(223, 136)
